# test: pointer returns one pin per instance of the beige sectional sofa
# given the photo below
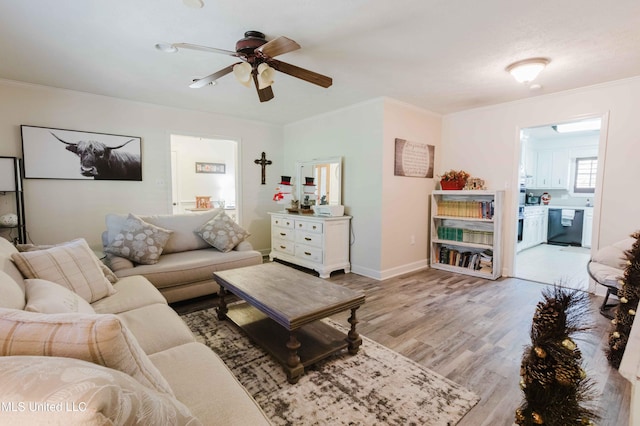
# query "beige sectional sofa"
(185, 267)
(104, 353)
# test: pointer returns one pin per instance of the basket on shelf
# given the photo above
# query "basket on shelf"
(452, 184)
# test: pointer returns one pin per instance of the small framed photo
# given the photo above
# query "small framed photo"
(210, 168)
(50, 153)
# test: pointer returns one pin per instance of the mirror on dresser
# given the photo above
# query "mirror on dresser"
(327, 178)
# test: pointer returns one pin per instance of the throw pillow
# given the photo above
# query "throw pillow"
(50, 298)
(139, 241)
(73, 265)
(222, 232)
(11, 293)
(108, 273)
(99, 338)
(88, 394)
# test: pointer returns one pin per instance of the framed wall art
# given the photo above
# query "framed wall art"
(413, 159)
(210, 168)
(50, 153)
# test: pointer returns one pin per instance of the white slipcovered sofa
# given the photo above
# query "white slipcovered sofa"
(77, 349)
(184, 268)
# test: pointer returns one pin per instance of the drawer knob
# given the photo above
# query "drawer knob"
(307, 238)
(307, 253)
(283, 247)
(314, 227)
(283, 234)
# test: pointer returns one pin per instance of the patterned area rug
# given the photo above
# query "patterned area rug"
(377, 386)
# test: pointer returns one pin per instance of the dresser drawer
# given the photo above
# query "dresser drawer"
(282, 222)
(283, 246)
(309, 238)
(309, 253)
(309, 226)
(279, 233)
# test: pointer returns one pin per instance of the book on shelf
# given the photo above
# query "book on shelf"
(469, 209)
(464, 259)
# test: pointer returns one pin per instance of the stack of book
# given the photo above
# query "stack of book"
(482, 261)
(465, 235)
(473, 209)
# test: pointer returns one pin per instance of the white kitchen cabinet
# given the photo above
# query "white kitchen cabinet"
(466, 232)
(587, 227)
(534, 229)
(552, 169)
(320, 243)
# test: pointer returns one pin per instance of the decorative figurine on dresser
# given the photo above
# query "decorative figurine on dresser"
(317, 235)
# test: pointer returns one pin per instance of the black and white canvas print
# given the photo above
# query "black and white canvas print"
(50, 153)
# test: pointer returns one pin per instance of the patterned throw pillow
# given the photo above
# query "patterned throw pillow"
(139, 241)
(73, 265)
(50, 298)
(98, 338)
(222, 233)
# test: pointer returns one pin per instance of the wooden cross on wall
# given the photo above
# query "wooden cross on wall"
(264, 163)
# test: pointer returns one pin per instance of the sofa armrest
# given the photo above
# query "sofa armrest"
(117, 263)
(243, 246)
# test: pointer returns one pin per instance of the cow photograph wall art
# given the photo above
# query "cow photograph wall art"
(50, 153)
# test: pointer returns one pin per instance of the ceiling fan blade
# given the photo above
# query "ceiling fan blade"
(213, 77)
(207, 49)
(265, 94)
(278, 46)
(301, 73)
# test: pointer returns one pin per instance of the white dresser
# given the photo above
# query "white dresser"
(320, 243)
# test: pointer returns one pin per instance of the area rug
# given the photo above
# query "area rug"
(377, 386)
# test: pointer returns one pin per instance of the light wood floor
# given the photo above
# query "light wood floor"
(473, 332)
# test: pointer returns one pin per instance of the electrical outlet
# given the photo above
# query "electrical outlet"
(412, 240)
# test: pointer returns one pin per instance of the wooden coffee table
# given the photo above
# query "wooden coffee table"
(281, 312)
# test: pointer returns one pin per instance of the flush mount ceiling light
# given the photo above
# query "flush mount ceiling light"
(166, 47)
(527, 70)
(196, 4)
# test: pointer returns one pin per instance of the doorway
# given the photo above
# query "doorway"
(559, 173)
(204, 169)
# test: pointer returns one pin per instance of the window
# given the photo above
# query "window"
(586, 168)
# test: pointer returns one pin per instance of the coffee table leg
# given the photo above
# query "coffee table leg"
(222, 305)
(353, 338)
(294, 368)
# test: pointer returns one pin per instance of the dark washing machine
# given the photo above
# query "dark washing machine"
(565, 228)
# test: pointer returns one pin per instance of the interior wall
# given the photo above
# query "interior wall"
(356, 134)
(484, 141)
(59, 210)
(405, 205)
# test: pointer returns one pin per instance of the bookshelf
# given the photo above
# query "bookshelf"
(12, 199)
(466, 235)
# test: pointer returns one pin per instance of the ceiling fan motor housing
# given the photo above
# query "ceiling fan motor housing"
(251, 41)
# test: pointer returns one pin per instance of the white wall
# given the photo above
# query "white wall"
(387, 210)
(355, 133)
(484, 142)
(58, 210)
(405, 204)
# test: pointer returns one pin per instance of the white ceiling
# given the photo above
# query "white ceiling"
(443, 56)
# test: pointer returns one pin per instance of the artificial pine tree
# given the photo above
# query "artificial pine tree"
(554, 384)
(629, 295)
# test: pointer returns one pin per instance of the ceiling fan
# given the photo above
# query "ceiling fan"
(257, 63)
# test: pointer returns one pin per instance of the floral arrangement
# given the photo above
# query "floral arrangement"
(453, 175)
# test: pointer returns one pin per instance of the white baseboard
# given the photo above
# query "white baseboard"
(392, 272)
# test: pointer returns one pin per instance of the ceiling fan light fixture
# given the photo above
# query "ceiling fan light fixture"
(527, 70)
(265, 76)
(166, 47)
(242, 73)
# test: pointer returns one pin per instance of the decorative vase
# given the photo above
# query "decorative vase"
(452, 184)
